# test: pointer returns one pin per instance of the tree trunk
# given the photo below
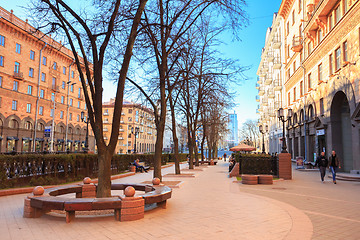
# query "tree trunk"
(104, 177)
(175, 138)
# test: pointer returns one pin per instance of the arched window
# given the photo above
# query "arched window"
(295, 120)
(78, 131)
(28, 125)
(14, 123)
(301, 118)
(40, 127)
(70, 130)
(62, 129)
(311, 112)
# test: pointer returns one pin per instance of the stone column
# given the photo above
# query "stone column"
(132, 208)
(31, 212)
(88, 189)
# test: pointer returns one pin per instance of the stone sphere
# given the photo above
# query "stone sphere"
(156, 181)
(39, 190)
(87, 180)
(129, 191)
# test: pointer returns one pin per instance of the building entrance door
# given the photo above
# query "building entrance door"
(341, 130)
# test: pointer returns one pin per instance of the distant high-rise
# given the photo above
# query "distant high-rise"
(233, 130)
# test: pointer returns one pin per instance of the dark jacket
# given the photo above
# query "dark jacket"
(321, 161)
(336, 162)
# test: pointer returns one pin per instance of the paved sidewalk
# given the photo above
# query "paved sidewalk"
(334, 209)
(209, 206)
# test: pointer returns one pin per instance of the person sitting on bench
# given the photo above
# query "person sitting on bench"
(138, 166)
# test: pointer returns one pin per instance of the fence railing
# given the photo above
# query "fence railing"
(258, 164)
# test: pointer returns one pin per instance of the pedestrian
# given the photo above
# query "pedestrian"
(334, 164)
(322, 163)
(224, 157)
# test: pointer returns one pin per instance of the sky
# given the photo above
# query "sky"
(247, 51)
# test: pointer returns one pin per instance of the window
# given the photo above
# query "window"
(53, 82)
(2, 40)
(300, 5)
(62, 99)
(345, 6)
(337, 58)
(320, 35)
(294, 67)
(72, 74)
(43, 77)
(70, 116)
(106, 112)
(18, 48)
(294, 94)
(14, 105)
(322, 106)
(79, 104)
(289, 100)
(28, 108)
(1, 81)
(301, 88)
(72, 88)
(41, 110)
(309, 81)
(52, 112)
(17, 67)
(61, 114)
(42, 92)
(331, 64)
(64, 70)
(330, 21)
(0, 101)
(287, 28)
(44, 61)
(29, 90)
(345, 52)
(1, 61)
(309, 48)
(16, 86)
(71, 102)
(32, 55)
(130, 111)
(320, 74)
(79, 92)
(31, 72)
(78, 118)
(63, 85)
(337, 14)
(293, 17)
(55, 65)
(130, 119)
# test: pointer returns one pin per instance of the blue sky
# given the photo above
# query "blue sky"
(248, 51)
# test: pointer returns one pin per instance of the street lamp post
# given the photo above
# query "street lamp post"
(262, 130)
(282, 118)
(135, 132)
(86, 120)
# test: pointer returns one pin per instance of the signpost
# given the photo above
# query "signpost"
(47, 131)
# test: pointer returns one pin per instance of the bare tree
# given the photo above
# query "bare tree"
(249, 130)
(89, 35)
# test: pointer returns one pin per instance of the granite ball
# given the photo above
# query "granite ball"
(39, 190)
(129, 191)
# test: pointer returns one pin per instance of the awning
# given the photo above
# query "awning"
(1, 138)
(27, 138)
(60, 140)
(39, 139)
(77, 141)
(12, 138)
(69, 140)
(83, 142)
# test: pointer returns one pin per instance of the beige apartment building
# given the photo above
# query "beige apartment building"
(137, 132)
(39, 88)
(320, 72)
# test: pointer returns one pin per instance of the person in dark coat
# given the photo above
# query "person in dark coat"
(334, 164)
(322, 163)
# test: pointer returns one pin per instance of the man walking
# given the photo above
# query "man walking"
(224, 157)
(334, 164)
(322, 163)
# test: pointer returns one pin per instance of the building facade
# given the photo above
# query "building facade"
(233, 139)
(40, 92)
(134, 116)
(321, 45)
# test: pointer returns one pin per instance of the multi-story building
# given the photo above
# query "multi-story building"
(136, 120)
(39, 91)
(233, 130)
(321, 42)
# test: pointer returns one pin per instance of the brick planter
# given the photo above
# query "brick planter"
(249, 179)
(265, 179)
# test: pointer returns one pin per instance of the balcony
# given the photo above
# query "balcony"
(264, 101)
(270, 56)
(121, 130)
(276, 43)
(265, 66)
(121, 121)
(120, 138)
(277, 86)
(261, 91)
(268, 79)
(18, 75)
(297, 44)
(271, 93)
(123, 113)
(257, 98)
(277, 63)
(271, 113)
(262, 73)
(276, 105)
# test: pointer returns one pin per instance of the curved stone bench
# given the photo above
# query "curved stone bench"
(249, 179)
(125, 208)
(266, 179)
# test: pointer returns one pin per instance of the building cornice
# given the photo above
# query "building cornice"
(285, 8)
